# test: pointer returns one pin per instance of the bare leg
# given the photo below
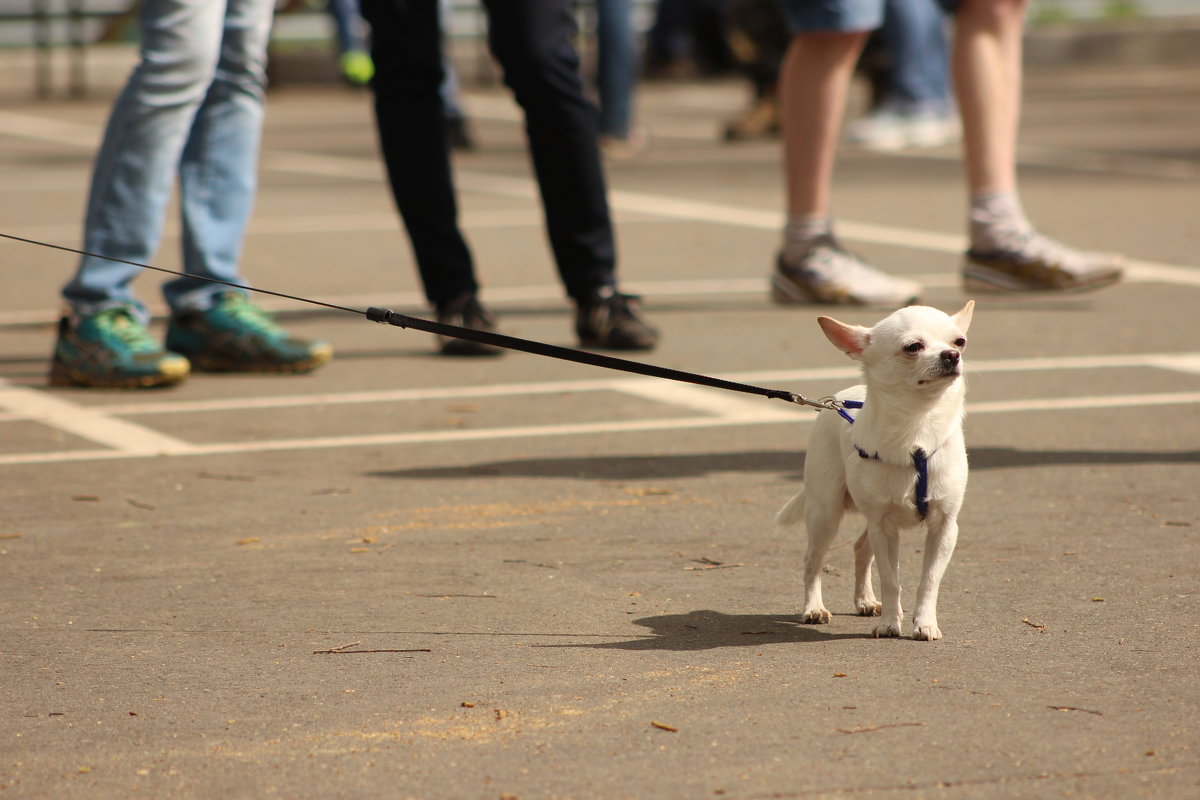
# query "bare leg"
(813, 85)
(987, 81)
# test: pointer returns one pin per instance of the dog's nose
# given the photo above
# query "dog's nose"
(951, 357)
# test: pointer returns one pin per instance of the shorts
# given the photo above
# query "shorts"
(811, 16)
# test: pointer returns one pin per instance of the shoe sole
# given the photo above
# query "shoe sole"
(203, 364)
(982, 279)
(207, 363)
(62, 375)
(787, 292)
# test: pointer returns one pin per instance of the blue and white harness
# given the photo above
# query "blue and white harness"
(920, 460)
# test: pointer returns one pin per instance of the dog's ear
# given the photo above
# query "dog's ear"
(850, 339)
(963, 318)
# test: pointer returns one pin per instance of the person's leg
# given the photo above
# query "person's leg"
(813, 268)
(1006, 252)
(217, 328)
(987, 81)
(347, 25)
(458, 132)
(449, 86)
(146, 133)
(532, 40)
(350, 32)
(616, 67)
(812, 88)
(916, 109)
(406, 47)
(914, 33)
(219, 165)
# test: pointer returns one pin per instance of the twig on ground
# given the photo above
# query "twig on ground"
(882, 727)
(1073, 708)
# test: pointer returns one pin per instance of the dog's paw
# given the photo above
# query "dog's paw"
(926, 633)
(889, 631)
(868, 608)
(816, 616)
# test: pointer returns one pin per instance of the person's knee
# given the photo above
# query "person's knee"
(814, 49)
(176, 76)
(992, 13)
(531, 60)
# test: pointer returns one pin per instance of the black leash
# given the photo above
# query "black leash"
(387, 316)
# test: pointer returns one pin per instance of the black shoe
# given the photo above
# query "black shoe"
(459, 135)
(613, 321)
(466, 311)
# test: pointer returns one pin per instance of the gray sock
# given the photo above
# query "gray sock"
(997, 221)
(801, 232)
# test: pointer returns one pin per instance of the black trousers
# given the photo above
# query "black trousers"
(531, 39)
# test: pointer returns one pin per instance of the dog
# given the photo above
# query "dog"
(900, 460)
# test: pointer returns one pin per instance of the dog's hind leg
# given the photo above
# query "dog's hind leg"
(885, 542)
(939, 546)
(822, 523)
(865, 602)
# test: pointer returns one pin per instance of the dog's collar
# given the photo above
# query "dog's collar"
(920, 461)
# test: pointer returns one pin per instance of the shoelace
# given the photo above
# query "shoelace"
(620, 306)
(830, 260)
(243, 312)
(119, 323)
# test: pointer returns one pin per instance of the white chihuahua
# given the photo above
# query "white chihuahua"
(899, 459)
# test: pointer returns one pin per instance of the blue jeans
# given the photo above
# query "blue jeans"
(192, 107)
(451, 101)
(810, 16)
(616, 67)
(348, 26)
(914, 33)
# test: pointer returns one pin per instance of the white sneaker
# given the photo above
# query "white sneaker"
(888, 130)
(828, 274)
(1033, 262)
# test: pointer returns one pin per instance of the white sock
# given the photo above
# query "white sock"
(997, 221)
(801, 232)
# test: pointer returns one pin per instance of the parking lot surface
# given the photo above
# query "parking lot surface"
(408, 576)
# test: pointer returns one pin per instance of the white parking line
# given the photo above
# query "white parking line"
(582, 429)
(720, 409)
(711, 401)
(124, 437)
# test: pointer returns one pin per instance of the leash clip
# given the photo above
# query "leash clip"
(825, 403)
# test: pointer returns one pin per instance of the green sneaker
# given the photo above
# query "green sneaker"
(112, 350)
(357, 67)
(234, 335)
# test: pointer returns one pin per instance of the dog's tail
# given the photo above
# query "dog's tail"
(792, 513)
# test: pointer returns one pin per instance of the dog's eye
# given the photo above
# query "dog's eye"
(960, 342)
(915, 347)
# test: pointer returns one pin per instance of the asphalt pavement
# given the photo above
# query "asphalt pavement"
(405, 576)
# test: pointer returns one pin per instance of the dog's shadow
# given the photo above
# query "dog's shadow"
(790, 464)
(709, 630)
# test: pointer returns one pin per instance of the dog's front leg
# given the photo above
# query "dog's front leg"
(885, 542)
(939, 547)
(865, 602)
